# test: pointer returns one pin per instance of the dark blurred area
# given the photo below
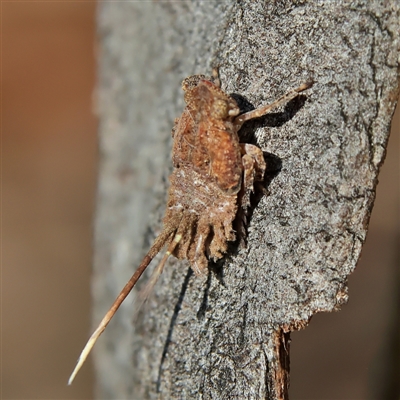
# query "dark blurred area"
(49, 155)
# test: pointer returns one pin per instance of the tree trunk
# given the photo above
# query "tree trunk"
(227, 335)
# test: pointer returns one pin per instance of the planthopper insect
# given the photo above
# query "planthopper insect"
(213, 177)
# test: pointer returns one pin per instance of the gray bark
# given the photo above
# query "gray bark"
(227, 335)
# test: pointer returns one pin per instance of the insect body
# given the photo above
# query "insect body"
(213, 177)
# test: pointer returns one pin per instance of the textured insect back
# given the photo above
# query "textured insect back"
(208, 172)
(220, 137)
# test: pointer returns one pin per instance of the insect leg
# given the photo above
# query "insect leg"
(259, 112)
(199, 263)
(215, 77)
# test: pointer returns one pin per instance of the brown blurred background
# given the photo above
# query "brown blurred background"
(49, 155)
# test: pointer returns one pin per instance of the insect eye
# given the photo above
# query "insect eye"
(220, 109)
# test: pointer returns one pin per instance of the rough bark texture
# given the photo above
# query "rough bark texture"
(227, 336)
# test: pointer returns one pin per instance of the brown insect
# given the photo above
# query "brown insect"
(213, 177)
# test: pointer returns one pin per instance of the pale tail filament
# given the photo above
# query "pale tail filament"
(154, 250)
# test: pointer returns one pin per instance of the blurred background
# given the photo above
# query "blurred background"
(49, 161)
